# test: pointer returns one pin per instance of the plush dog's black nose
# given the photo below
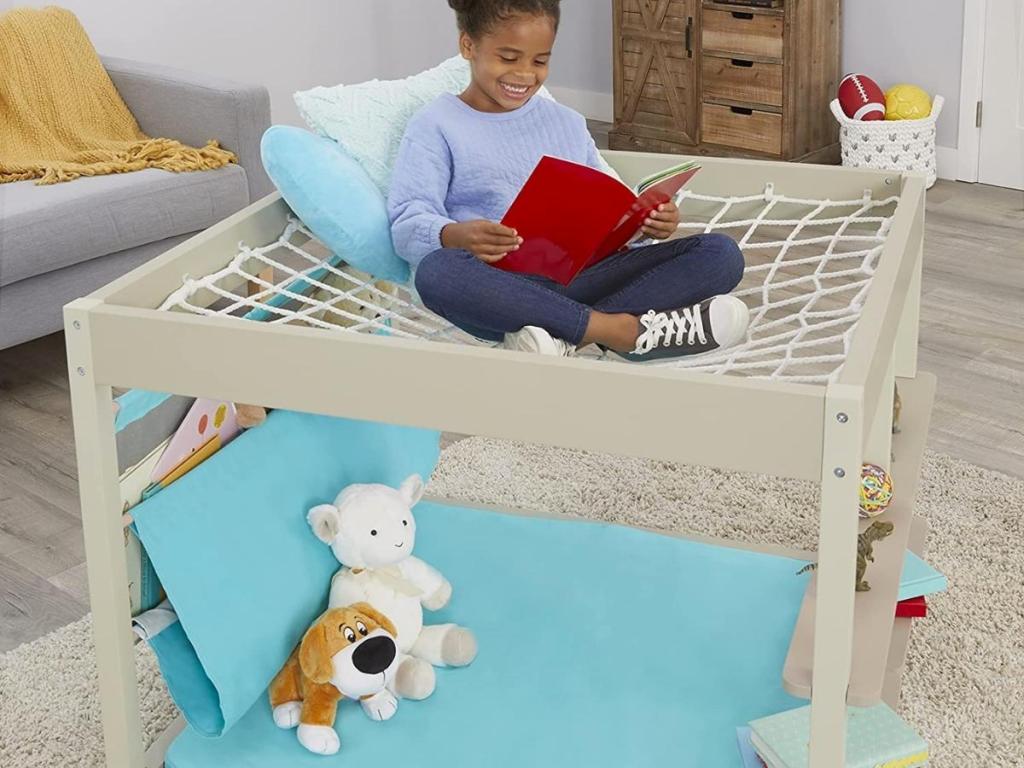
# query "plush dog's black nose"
(375, 655)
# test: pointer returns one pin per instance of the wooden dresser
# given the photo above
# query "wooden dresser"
(712, 78)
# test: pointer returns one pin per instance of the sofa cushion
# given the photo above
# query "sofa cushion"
(45, 228)
(33, 308)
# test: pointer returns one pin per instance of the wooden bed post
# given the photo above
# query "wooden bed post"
(837, 543)
(96, 451)
(910, 321)
(878, 448)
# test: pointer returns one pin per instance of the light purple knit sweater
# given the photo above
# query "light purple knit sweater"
(459, 164)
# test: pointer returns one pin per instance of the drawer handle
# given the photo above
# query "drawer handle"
(742, 63)
(742, 110)
(742, 15)
(689, 37)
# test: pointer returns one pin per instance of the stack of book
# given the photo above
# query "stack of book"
(747, 752)
(917, 580)
(876, 737)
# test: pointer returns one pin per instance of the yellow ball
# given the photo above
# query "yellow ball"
(907, 102)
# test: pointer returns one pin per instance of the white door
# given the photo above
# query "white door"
(1001, 158)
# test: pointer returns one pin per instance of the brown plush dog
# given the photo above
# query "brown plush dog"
(348, 652)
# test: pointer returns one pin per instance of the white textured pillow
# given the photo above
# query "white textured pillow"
(368, 119)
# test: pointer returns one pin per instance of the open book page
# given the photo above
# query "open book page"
(654, 190)
(659, 176)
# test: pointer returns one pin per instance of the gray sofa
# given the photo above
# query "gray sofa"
(60, 242)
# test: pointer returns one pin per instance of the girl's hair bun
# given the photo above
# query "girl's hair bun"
(476, 17)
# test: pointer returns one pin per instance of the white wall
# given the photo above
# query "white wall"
(285, 46)
(417, 34)
(581, 71)
(322, 42)
(909, 41)
(414, 35)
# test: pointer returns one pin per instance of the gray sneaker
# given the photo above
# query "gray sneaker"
(715, 323)
(533, 339)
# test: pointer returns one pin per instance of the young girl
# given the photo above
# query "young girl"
(462, 162)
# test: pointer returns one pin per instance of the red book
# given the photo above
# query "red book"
(571, 216)
(912, 608)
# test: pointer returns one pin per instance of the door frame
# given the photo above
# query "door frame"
(972, 73)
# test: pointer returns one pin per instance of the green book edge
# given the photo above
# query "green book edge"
(664, 174)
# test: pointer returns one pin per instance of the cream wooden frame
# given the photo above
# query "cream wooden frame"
(819, 433)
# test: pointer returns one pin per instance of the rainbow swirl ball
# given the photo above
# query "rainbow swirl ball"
(875, 490)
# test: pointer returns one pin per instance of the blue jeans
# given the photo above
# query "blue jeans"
(488, 302)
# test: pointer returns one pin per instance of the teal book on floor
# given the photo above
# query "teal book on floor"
(876, 737)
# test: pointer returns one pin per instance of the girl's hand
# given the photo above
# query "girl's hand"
(663, 221)
(487, 240)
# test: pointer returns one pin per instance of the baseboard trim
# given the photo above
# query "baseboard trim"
(591, 104)
(946, 162)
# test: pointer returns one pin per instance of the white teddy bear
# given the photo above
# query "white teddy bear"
(371, 530)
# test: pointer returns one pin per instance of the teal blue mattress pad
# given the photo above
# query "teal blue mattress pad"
(600, 645)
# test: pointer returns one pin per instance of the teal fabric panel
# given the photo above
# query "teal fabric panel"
(599, 646)
(190, 688)
(231, 546)
(150, 589)
(332, 195)
(135, 404)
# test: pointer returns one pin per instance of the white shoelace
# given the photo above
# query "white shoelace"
(669, 328)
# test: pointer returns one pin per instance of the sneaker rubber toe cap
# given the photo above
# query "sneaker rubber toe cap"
(729, 320)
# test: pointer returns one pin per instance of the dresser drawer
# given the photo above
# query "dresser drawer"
(741, 128)
(742, 32)
(742, 80)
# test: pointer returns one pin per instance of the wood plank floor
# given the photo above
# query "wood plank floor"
(972, 337)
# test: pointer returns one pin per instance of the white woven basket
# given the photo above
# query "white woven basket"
(896, 145)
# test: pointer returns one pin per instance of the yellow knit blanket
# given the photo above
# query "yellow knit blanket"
(60, 115)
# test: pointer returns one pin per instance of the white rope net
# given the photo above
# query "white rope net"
(809, 266)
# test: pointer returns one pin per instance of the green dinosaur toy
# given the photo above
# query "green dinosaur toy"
(877, 531)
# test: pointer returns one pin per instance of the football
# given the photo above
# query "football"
(907, 102)
(861, 98)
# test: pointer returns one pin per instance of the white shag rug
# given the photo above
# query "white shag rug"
(963, 688)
